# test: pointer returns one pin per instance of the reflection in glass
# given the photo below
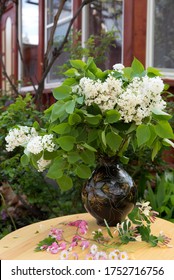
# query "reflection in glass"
(164, 34)
(59, 34)
(29, 39)
(102, 17)
(63, 23)
(107, 16)
(30, 22)
(52, 8)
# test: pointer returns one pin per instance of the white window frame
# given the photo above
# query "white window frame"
(166, 72)
(61, 21)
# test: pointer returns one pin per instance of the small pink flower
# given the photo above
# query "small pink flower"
(43, 247)
(56, 233)
(83, 230)
(62, 246)
(84, 244)
(53, 248)
(72, 245)
(77, 223)
(82, 225)
(76, 238)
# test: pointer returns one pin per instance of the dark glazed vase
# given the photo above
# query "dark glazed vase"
(109, 194)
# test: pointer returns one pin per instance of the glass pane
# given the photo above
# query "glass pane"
(59, 34)
(106, 16)
(30, 22)
(52, 8)
(30, 17)
(164, 34)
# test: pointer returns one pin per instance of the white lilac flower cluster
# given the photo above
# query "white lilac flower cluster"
(134, 102)
(139, 98)
(104, 94)
(19, 136)
(42, 164)
(41, 143)
(118, 67)
(28, 138)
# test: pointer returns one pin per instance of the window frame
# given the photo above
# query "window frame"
(166, 72)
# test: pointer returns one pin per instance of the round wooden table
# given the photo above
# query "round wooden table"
(21, 244)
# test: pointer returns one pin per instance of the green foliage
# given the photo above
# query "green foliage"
(96, 46)
(43, 197)
(161, 196)
(138, 226)
(84, 134)
(45, 242)
(79, 129)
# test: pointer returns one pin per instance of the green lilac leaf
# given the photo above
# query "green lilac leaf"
(90, 75)
(92, 135)
(90, 148)
(55, 170)
(113, 140)
(66, 142)
(24, 160)
(49, 155)
(70, 82)
(78, 64)
(61, 128)
(112, 116)
(70, 106)
(74, 119)
(61, 92)
(91, 65)
(160, 115)
(94, 120)
(164, 130)
(103, 137)
(156, 148)
(72, 72)
(73, 157)
(143, 134)
(152, 136)
(88, 157)
(83, 171)
(151, 70)
(65, 182)
(128, 72)
(57, 110)
(137, 66)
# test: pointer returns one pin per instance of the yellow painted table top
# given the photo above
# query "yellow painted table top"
(20, 244)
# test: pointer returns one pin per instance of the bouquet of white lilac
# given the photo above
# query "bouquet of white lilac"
(97, 114)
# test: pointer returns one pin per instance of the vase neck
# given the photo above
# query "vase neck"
(105, 160)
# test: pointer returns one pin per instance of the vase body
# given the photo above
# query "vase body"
(110, 194)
